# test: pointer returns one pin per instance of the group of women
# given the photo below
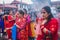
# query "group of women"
(19, 26)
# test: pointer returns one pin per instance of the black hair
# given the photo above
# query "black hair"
(21, 12)
(25, 10)
(8, 11)
(48, 10)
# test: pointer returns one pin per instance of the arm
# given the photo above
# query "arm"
(52, 28)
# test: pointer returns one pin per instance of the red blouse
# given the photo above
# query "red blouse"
(20, 22)
(52, 27)
(9, 22)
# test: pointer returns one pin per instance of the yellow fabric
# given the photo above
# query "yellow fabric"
(32, 25)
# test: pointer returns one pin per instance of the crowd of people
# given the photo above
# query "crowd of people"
(20, 26)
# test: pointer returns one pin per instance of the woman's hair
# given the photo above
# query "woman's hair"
(8, 11)
(25, 11)
(21, 12)
(48, 10)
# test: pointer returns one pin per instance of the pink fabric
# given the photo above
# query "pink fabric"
(27, 16)
(38, 30)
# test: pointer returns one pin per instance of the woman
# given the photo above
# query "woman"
(9, 22)
(20, 24)
(48, 25)
(27, 17)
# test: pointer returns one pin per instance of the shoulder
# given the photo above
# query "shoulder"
(54, 20)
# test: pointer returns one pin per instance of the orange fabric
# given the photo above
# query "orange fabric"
(32, 25)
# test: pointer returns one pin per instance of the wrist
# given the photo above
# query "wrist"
(45, 30)
(42, 27)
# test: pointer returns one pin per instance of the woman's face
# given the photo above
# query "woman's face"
(44, 14)
(18, 14)
(11, 13)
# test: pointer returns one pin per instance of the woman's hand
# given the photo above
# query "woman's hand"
(45, 30)
(42, 26)
(6, 29)
(43, 22)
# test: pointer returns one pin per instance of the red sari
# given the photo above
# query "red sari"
(20, 23)
(9, 22)
(52, 27)
(27, 17)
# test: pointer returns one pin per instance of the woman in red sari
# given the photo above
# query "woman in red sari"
(20, 23)
(8, 22)
(27, 17)
(48, 25)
